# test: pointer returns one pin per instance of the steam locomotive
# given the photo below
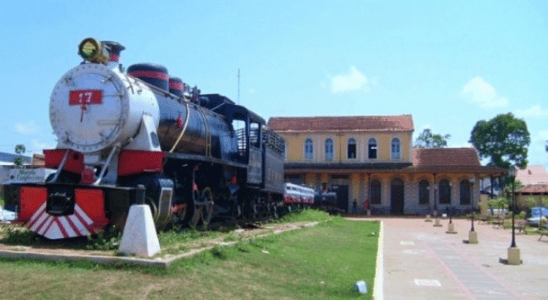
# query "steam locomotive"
(198, 157)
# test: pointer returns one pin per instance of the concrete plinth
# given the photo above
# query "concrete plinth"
(514, 256)
(451, 228)
(472, 237)
(428, 218)
(437, 222)
(140, 237)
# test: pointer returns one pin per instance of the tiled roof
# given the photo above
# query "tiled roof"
(445, 157)
(353, 123)
(533, 189)
(532, 175)
(456, 160)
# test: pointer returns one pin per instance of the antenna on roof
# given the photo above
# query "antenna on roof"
(238, 86)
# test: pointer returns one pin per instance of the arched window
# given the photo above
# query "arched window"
(372, 149)
(424, 192)
(395, 147)
(329, 149)
(351, 149)
(375, 190)
(445, 191)
(464, 188)
(308, 149)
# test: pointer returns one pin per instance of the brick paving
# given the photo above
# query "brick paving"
(424, 262)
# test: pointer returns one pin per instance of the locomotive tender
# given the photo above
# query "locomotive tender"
(121, 131)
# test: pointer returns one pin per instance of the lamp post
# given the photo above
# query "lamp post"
(472, 235)
(450, 226)
(435, 196)
(513, 178)
(514, 255)
(428, 188)
(472, 201)
(436, 217)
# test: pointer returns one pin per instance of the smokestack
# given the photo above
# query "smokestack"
(114, 49)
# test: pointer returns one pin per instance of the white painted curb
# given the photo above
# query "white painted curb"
(378, 286)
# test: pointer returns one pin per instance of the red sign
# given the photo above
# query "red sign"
(83, 97)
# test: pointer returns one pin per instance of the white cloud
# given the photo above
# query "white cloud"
(543, 135)
(38, 146)
(479, 91)
(352, 81)
(27, 128)
(463, 145)
(534, 111)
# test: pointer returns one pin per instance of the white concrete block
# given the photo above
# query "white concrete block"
(514, 256)
(473, 237)
(140, 237)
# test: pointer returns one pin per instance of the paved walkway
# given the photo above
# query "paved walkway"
(424, 262)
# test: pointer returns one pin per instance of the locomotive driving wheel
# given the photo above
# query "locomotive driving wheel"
(195, 211)
(153, 208)
(207, 206)
(179, 215)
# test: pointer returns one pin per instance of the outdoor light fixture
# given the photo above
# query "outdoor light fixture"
(472, 235)
(428, 188)
(450, 226)
(514, 255)
(93, 50)
(512, 174)
(472, 200)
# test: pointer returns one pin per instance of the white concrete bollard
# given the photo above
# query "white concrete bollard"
(140, 237)
(360, 286)
(473, 237)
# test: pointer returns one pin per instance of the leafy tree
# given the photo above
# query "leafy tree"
(20, 150)
(503, 139)
(427, 139)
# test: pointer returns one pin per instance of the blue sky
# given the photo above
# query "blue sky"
(447, 63)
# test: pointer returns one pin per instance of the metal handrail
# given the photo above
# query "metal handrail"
(184, 128)
(104, 167)
(60, 167)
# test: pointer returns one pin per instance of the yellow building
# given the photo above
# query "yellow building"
(371, 158)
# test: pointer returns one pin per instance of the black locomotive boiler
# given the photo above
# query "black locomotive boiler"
(198, 157)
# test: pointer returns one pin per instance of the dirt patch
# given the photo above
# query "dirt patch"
(178, 250)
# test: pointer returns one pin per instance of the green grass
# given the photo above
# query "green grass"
(306, 215)
(171, 241)
(321, 262)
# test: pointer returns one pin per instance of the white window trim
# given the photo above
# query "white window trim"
(399, 150)
(357, 148)
(333, 149)
(367, 148)
(304, 149)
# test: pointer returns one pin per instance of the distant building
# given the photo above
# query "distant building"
(370, 158)
(534, 180)
(532, 175)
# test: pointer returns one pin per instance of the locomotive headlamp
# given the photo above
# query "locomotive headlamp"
(93, 50)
